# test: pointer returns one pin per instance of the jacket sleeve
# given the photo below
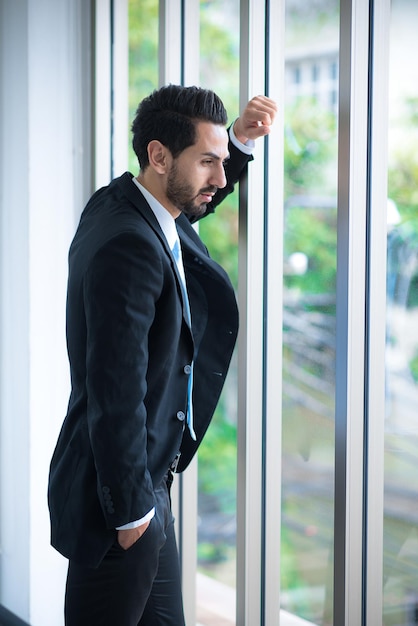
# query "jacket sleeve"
(120, 290)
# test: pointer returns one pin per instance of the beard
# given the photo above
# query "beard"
(182, 195)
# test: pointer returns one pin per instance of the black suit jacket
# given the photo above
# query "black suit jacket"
(130, 349)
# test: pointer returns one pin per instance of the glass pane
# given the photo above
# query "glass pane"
(143, 57)
(219, 70)
(400, 590)
(312, 50)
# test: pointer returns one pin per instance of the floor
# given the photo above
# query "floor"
(216, 605)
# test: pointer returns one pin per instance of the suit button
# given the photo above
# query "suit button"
(181, 416)
(105, 490)
(187, 369)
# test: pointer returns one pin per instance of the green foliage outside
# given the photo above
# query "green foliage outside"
(310, 149)
(217, 487)
(219, 482)
(143, 57)
(403, 166)
(413, 365)
(313, 231)
(219, 70)
(310, 181)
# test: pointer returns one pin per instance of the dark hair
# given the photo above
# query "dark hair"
(169, 115)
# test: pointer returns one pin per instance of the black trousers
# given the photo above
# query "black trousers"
(135, 587)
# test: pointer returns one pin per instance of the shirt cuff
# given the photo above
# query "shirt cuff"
(138, 522)
(246, 148)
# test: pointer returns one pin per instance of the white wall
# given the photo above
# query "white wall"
(45, 175)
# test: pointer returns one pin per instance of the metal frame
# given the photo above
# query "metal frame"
(260, 297)
(170, 41)
(102, 91)
(377, 251)
(251, 409)
(351, 305)
(111, 90)
(361, 297)
(274, 151)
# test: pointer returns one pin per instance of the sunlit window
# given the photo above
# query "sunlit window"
(400, 571)
(309, 318)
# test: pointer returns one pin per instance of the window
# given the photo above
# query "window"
(400, 565)
(309, 300)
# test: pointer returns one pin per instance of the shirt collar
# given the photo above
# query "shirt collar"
(165, 220)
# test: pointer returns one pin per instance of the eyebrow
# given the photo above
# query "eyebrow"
(215, 156)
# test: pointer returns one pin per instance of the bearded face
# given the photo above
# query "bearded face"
(185, 196)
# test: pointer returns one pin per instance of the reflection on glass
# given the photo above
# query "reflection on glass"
(312, 35)
(400, 583)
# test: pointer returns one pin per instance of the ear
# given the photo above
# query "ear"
(159, 156)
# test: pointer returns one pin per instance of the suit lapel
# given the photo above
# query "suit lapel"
(135, 196)
(131, 191)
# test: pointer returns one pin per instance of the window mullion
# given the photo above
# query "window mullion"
(351, 303)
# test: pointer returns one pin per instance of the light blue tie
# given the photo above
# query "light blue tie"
(177, 256)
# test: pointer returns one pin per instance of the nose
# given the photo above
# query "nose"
(219, 178)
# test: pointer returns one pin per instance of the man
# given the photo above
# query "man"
(150, 334)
